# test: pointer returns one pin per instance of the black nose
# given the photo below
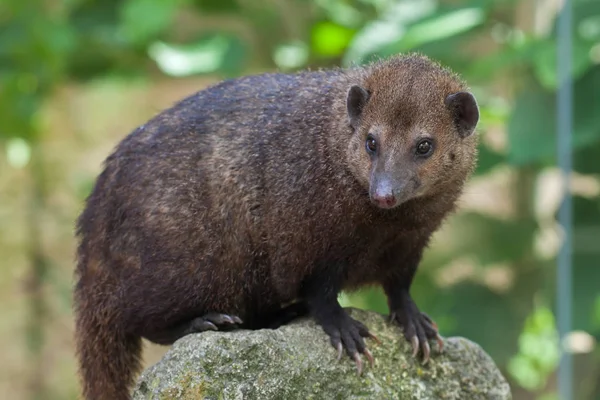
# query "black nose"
(384, 201)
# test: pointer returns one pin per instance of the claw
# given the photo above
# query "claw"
(415, 344)
(210, 325)
(358, 361)
(369, 357)
(339, 350)
(228, 319)
(440, 342)
(375, 338)
(426, 352)
(392, 316)
(237, 320)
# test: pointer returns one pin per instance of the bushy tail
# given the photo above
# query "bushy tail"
(109, 359)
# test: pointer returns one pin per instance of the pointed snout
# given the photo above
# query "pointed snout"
(383, 194)
(387, 192)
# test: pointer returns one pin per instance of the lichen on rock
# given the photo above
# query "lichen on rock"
(296, 361)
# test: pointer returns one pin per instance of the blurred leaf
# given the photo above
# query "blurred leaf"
(341, 12)
(596, 314)
(27, 40)
(441, 26)
(586, 104)
(586, 212)
(524, 371)
(438, 302)
(330, 39)
(34, 52)
(18, 152)
(585, 159)
(538, 53)
(367, 299)
(487, 159)
(484, 317)
(220, 6)
(291, 55)
(586, 252)
(494, 112)
(144, 20)
(389, 28)
(510, 56)
(544, 61)
(532, 126)
(538, 350)
(97, 18)
(370, 40)
(589, 27)
(101, 48)
(212, 53)
(586, 31)
(19, 101)
(584, 12)
(488, 240)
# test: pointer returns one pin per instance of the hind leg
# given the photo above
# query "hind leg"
(208, 322)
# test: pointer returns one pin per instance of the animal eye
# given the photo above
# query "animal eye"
(371, 144)
(424, 147)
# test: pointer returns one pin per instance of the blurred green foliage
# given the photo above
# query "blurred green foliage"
(538, 350)
(505, 50)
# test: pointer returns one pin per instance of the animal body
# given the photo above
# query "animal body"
(261, 198)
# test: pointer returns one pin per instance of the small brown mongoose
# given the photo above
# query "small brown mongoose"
(264, 191)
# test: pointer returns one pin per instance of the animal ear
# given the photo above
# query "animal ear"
(356, 100)
(465, 111)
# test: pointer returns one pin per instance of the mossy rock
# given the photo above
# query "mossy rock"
(296, 361)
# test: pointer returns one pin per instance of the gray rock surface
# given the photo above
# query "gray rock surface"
(297, 362)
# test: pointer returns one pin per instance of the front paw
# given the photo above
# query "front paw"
(418, 327)
(346, 332)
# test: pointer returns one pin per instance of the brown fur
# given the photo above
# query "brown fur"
(253, 193)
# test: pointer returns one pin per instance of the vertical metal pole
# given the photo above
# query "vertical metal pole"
(564, 115)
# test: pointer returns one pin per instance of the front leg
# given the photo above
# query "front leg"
(418, 327)
(320, 292)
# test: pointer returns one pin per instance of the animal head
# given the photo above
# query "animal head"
(413, 125)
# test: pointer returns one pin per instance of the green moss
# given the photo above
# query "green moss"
(186, 387)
